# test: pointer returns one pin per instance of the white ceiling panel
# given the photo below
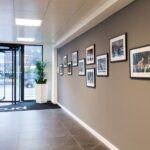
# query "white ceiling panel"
(26, 32)
(79, 16)
(29, 15)
(6, 17)
(58, 13)
(62, 20)
(4, 36)
(6, 5)
(31, 5)
(92, 13)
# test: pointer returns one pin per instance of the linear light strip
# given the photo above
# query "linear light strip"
(26, 39)
(28, 22)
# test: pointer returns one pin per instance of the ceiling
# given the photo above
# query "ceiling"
(62, 20)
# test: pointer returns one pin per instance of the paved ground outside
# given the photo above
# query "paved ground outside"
(29, 92)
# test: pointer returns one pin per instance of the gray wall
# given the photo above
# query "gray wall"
(119, 107)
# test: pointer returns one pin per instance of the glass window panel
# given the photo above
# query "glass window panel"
(31, 55)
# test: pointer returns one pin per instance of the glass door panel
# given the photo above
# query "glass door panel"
(17, 65)
(8, 75)
(18, 73)
(2, 76)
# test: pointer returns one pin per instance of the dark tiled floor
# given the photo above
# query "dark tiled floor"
(44, 130)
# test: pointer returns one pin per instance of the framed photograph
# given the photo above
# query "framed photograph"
(118, 48)
(61, 69)
(75, 59)
(90, 77)
(70, 68)
(140, 62)
(90, 55)
(65, 61)
(102, 65)
(82, 67)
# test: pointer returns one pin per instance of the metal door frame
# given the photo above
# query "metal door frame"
(13, 48)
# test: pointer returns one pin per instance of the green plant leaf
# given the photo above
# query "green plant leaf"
(40, 75)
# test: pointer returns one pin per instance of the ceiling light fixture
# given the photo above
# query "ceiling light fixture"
(28, 22)
(26, 39)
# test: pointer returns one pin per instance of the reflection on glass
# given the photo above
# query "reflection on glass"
(18, 73)
(8, 75)
(2, 75)
(31, 55)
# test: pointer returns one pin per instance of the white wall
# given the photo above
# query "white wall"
(54, 76)
(47, 56)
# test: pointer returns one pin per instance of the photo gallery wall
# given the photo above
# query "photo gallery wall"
(139, 61)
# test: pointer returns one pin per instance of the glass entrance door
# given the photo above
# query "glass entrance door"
(17, 65)
(6, 80)
(18, 73)
(10, 73)
(6, 74)
(2, 76)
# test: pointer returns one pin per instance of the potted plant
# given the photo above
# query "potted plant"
(41, 82)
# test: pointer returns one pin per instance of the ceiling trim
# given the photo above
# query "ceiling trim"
(100, 14)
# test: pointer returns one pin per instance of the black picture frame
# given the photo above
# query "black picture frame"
(118, 48)
(90, 55)
(65, 61)
(75, 59)
(82, 70)
(69, 68)
(90, 78)
(140, 62)
(61, 70)
(102, 67)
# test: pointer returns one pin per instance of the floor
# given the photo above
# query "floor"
(5, 104)
(44, 130)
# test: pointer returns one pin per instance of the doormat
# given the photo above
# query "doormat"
(25, 106)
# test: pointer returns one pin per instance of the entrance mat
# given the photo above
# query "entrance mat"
(25, 106)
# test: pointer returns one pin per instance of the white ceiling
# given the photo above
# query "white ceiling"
(63, 20)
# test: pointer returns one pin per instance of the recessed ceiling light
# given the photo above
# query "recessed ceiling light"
(26, 39)
(28, 22)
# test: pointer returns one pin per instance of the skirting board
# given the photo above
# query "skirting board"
(92, 131)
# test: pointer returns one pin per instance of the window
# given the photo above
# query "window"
(31, 55)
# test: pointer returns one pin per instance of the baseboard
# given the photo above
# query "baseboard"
(91, 130)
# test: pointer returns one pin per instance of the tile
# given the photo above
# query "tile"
(44, 133)
(82, 136)
(59, 142)
(78, 130)
(44, 130)
(82, 140)
(88, 146)
(8, 146)
(100, 147)
(47, 143)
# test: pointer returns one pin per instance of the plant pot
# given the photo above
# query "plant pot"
(41, 93)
